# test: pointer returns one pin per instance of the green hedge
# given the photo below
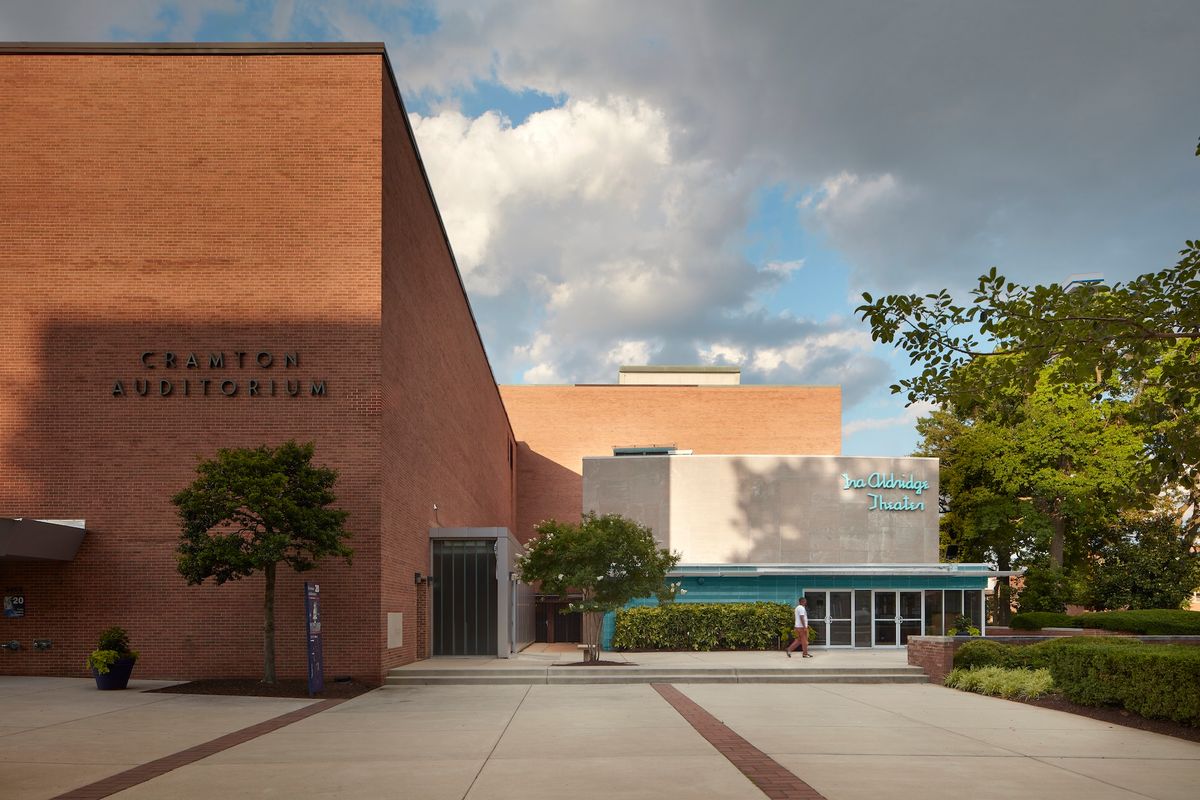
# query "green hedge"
(1036, 620)
(1151, 680)
(1154, 680)
(991, 653)
(1149, 622)
(704, 626)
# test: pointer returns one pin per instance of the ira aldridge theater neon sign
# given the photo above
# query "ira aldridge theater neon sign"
(878, 480)
(191, 376)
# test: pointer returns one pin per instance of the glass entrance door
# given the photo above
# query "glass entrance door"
(840, 620)
(910, 615)
(830, 614)
(897, 616)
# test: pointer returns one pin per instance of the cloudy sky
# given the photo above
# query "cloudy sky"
(717, 182)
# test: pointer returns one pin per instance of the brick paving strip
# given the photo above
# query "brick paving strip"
(152, 769)
(763, 771)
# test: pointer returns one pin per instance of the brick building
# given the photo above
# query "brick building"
(213, 246)
(263, 208)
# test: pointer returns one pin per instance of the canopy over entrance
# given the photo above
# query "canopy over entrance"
(23, 539)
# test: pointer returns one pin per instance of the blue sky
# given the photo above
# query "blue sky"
(710, 182)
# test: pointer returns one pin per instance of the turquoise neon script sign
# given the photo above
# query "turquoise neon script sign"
(878, 480)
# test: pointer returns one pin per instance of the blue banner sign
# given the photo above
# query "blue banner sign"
(312, 626)
(880, 480)
(14, 604)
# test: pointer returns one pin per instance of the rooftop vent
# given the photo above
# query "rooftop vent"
(649, 450)
(667, 375)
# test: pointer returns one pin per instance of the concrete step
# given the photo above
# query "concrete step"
(743, 672)
(625, 676)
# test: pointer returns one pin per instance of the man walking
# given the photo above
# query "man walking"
(801, 629)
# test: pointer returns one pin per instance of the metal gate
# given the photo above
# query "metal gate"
(464, 597)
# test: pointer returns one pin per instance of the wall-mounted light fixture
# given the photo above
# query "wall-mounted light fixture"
(13, 645)
(417, 579)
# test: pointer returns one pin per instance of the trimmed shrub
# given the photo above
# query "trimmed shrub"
(985, 653)
(1151, 680)
(1001, 682)
(990, 653)
(704, 626)
(1036, 620)
(1150, 622)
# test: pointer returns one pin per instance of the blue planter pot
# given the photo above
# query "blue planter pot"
(117, 676)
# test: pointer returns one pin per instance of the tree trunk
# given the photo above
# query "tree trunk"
(592, 623)
(1059, 536)
(1003, 589)
(269, 626)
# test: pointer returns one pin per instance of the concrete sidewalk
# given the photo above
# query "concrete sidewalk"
(549, 741)
(563, 665)
(539, 656)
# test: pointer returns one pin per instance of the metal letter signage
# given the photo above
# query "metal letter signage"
(312, 626)
(878, 480)
(184, 376)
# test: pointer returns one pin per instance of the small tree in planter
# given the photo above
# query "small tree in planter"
(252, 509)
(609, 558)
(113, 659)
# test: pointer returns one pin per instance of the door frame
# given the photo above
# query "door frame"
(828, 619)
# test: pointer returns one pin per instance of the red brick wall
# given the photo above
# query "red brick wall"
(556, 426)
(934, 654)
(190, 203)
(446, 438)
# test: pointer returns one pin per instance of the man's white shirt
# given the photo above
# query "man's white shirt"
(801, 617)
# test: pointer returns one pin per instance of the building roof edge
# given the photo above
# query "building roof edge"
(192, 48)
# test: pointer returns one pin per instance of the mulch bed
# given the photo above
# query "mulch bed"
(1118, 716)
(252, 687)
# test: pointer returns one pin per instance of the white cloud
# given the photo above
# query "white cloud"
(784, 267)
(720, 353)
(908, 417)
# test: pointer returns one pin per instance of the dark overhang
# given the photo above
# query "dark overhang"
(23, 539)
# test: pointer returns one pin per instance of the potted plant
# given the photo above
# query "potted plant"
(962, 627)
(112, 661)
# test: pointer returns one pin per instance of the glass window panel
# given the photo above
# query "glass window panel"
(839, 605)
(933, 612)
(909, 627)
(862, 618)
(953, 605)
(885, 605)
(910, 605)
(816, 605)
(885, 632)
(973, 602)
(839, 633)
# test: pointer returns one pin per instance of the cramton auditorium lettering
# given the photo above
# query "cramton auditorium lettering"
(190, 375)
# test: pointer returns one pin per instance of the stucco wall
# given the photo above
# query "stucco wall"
(772, 509)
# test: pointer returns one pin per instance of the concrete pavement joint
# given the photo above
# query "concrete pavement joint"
(153, 769)
(496, 744)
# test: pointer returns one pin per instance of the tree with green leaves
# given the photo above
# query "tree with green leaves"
(1137, 341)
(981, 519)
(1034, 476)
(1149, 563)
(609, 559)
(251, 509)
